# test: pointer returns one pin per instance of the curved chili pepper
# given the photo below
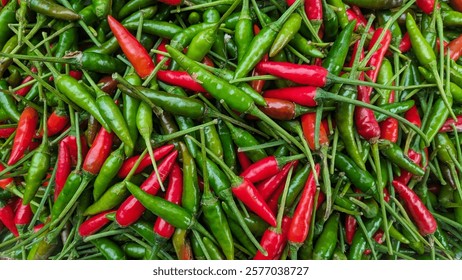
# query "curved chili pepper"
(394, 153)
(22, 215)
(420, 214)
(57, 122)
(406, 176)
(7, 16)
(273, 241)
(63, 168)
(301, 220)
(109, 249)
(52, 9)
(98, 152)
(7, 103)
(266, 167)
(131, 209)
(268, 186)
(308, 125)
(300, 95)
(7, 217)
(327, 241)
(360, 21)
(24, 134)
(6, 132)
(135, 52)
(94, 224)
(454, 48)
(108, 171)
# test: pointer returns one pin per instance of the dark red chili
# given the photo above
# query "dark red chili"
(23, 91)
(455, 48)
(350, 228)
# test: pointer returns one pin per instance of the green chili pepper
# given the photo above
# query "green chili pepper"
(158, 28)
(339, 50)
(38, 168)
(52, 9)
(115, 195)
(340, 11)
(240, 235)
(109, 249)
(213, 251)
(256, 225)
(201, 44)
(191, 194)
(327, 241)
(396, 108)
(70, 187)
(296, 185)
(108, 172)
(130, 107)
(437, 116)
(10, 46)
(330, 21)
(394, 153)
(359, 243)
(7, 16)
(7, 103)
(286, 34)
(243, 138)
(243, 31)
(229, 151)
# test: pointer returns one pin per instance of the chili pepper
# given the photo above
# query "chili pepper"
(405, 44)
(173, 194)
(350, 228)
(266, 167)
(287, 33)
(359, 240)
(114, 118)
(243, 31)
(454, 90)
(262, 42)
(98, 152)
(22, 215)
(52, 10)
(181, 79)
(327, 241)
(270, 185)
(274, 241)
(94, 224)
(7, 16)
(63, 168)
(359, 20)
(243, 138)
(108, 171)
(314, 12)
(7, 132)
(229, 151)
(378, 5)
(420, 214)
(81, 96)
(304, 46)
(406, 176)
(57, 121)
(308, 124)
(454, 48)
(102, 7)
(109, 249)
(131, 209)
(71, 143)
(395, 154)
(7, 103)
(426, 5)
(335, 59)
(135, 52)
(258, 85)
(24, 134)
(7, 217)
(330, 22)
(301, 220)
(448, 125)
(128, 164)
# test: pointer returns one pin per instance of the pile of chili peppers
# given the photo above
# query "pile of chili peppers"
(230, 129)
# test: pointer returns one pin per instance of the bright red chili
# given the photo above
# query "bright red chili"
(160, 57)
(181, 79)
(360, 20)
(24, 134)
(23, 91)
(7, 217)
(23, 214)
(98, 152)
(244, 160)
(63, 168)
(273, 241)
(426, 5)
(134, 50)
(301, 74)
(300, 225)
(6, 132)
(71, 143)
(94, 224)
(173, 194)
(7, 182)
(131, 209)
(267, 187)
(389, 128)
(128, 164)
(300, 95)
(448, 125)
(424, 220)
(455, 48)
(308, 126)
(405, 44)
(265, 168)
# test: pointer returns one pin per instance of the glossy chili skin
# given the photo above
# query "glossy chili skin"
(308, 122)
(243, 138)
(286, 34)
(94, 224)
(274, 241)
(108, 171)
(393, 152)
(72, 184)
(98, 152)
(359, 243)
(335, 59)
(52, 9)
(375, 5)
(38, 169)
(7, 103)
(7, 217)
(181, 79)
(243, 31)
(416, 208)
(109, 249)
(24, 134)
(7, 16)
(327, 241)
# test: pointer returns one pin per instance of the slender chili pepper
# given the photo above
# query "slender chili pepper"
(268, 186)
(7, 16)
(301, 220)
(24, 134)
(181, 79)
(98, 152)
(300, 95)
(7, 103)
(287, 33)
(108, 172)
(335, 59)
(52, 9)
(308, 124)
(350, 228)
(448, 125)
(71, 142)
(406, 176)
(243, 138)
(454, 48)
(359, 20)
(274, 241)
(267, 167)
(135, 52)
(327, 241)
(394, 153)
(22, 215)
(405, 44)
(131, 209)
(94, 224)
(359, 243)
(420, 214)
(7, 217)
(243, 31)
(57, 122)
(109, 249)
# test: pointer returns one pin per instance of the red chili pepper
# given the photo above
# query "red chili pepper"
(71, 143)
(38, 227)
(128, 164)
(207, 61)
(181, 79)
(261, 169)
(455, 48)
(386, 195)
(6, 132)
(389, 128)
(23, 214)
(258, 85)
(24, 134)
(76, 74)
(313, 10)
(308, 126)
(412, 115)
(274, 242)
(426, 5)
(131, 209)
(300, 95)
(160, 57)
(445, 45)
(301, 74)
(273, 200)
(7, 217)
(378, 237)
(366, 123)
(57, 122)
(173, 194)
(267, 187)
(94, 224)
(172, 2)
(350, 228)
(4, 2)
(447, 126)
(98, 152)
(7, 182)
(134, 50)
(425, 221)
(25, 90)
(244, 160)
(300, 225)
(63, 168)
(405, 44)
(406, 176)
